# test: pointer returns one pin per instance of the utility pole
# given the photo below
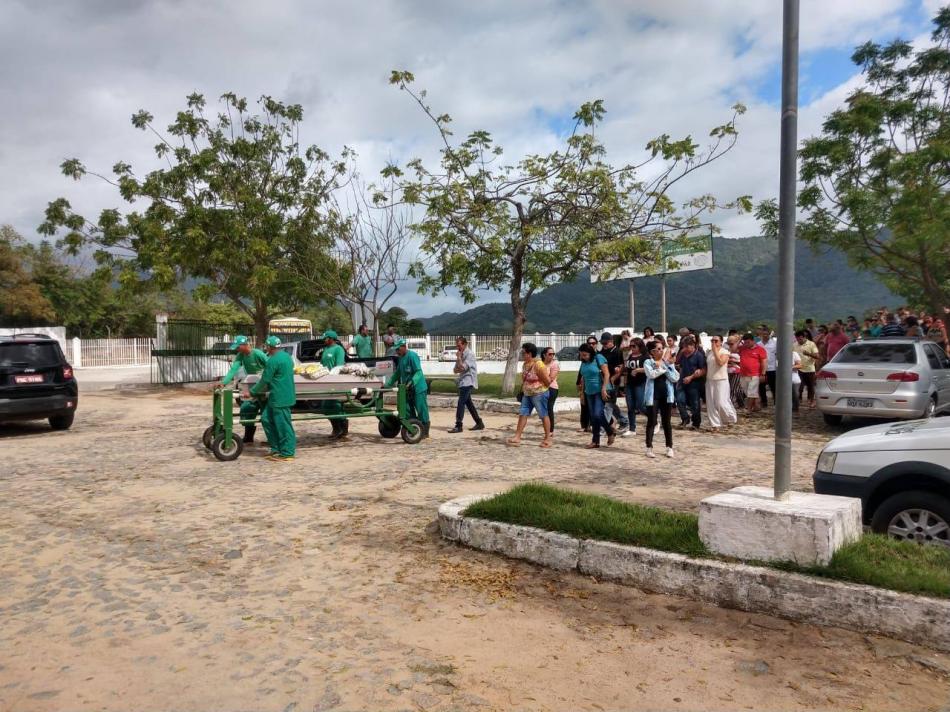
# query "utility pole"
(663, 302)
(788, 175)
(633, 318)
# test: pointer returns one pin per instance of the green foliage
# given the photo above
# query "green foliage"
(399, 317)
(22, 302)
(489, 384)
(240, 206)
(522, 226)
(875, 181)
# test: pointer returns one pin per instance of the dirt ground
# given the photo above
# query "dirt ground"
(138, 573)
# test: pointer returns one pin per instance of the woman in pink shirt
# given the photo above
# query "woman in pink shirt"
(553, 367)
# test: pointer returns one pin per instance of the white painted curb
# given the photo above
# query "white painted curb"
(916, 619)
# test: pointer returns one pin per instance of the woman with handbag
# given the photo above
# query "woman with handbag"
(596, 378)
(534, 394)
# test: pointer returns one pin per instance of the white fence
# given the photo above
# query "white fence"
(98, 353)
(487, 347)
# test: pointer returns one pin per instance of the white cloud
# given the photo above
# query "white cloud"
(75, 72)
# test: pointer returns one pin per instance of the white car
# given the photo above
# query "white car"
(449, 353)
(901, 474)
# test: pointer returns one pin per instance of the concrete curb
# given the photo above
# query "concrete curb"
(866, 609)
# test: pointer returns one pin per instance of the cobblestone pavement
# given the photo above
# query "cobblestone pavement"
(138, 573)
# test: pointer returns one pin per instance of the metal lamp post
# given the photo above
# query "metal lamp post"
(786, 238)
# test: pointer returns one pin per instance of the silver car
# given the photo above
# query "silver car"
(884, 378)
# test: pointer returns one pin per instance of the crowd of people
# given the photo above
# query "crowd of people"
(623, 376)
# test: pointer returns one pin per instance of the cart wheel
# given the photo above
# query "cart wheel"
(207, 437)
(389, 426)
(224, 454)
(413, 434)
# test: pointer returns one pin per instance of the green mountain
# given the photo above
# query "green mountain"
(739, 291)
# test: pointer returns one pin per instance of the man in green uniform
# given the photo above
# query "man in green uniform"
(363, 343)
(277, 381)
(252, 361)
(333, 355)
(409, 372)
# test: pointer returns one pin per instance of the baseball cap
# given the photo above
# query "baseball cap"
(239, 341)
(272, 341)
(330, 334)
(400, 342)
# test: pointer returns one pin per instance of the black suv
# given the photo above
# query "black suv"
(36, 381)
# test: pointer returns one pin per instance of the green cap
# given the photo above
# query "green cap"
(239, 341)
(272, 341)
(400, 342)
(330, 334)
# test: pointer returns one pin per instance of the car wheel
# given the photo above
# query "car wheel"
(915, 516)
(226, 454)
(832, 419)
(61, 422)
(931, 410)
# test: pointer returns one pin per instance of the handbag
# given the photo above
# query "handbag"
(519, 395)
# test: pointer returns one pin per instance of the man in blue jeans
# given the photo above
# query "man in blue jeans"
(467, 370)
(692, 368)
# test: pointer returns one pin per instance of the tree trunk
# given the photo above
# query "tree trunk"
(261, 323)
(514, 346)
(935, 297)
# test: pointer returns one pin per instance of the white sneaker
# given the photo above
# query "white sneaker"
(669, 452)
(628, 433)
(650, 452)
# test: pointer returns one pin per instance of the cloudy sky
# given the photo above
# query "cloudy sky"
(76, 70)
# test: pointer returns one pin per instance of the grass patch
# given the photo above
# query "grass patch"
(590, 516)
(873, 560)
(489, 385)
(876, 560)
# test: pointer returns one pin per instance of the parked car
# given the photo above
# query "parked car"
(568, 353)
(884, 378)
(36, 381)
(449, 353)
(901, 474)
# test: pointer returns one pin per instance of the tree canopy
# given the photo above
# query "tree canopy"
(875, 181)
(236, 203)
(524, 225)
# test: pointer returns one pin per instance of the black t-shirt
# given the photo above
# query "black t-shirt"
(633, 362)
(614, 358)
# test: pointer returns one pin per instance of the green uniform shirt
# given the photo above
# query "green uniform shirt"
(253, 362)
(364, 345)
(333, 356)
(278, 380)
(409, 371)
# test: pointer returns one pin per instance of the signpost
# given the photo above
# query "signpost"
(686, 254)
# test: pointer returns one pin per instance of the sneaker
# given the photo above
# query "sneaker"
(478, 426)
(456, 429)
(669, 452)
(650, 452)
(628, 433)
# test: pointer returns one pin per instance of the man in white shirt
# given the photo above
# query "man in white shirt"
(768, 342)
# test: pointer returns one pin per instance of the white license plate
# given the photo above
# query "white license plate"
(860, 403)
(28, 379)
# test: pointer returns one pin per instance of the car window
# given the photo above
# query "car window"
(30, 355)
(877, 352)
(933, 357)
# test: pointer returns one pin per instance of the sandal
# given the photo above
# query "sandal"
(591, 446)
(513, 443)
(545, 443)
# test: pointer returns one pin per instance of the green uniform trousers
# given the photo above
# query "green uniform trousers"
(249, 411)
(418, 404)
(279, 429)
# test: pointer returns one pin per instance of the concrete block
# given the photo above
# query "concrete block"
(748, 523)
(558, 551)
(450, 514)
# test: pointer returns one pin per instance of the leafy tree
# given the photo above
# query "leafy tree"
(875, 181)
(399, 317)
(237, 202)
(22, 303)
(524, 226)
